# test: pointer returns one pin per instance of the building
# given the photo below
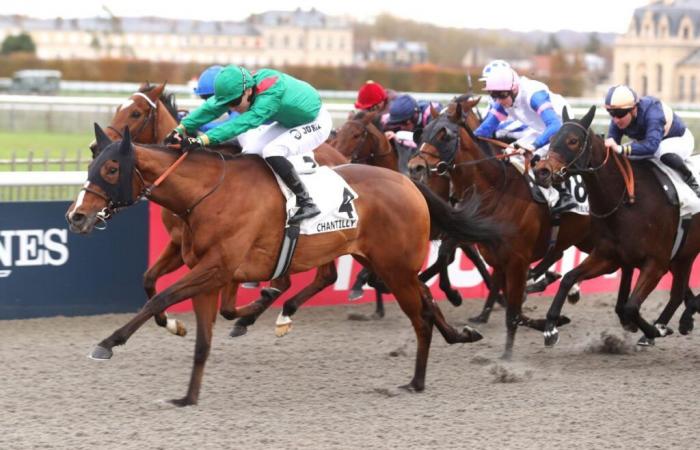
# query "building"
(659, 54)
(398, 53)
(270, 39)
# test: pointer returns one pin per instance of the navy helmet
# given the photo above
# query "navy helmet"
(403, 108)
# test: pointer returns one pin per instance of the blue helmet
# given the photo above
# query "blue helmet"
(205, 84)
(402, 108)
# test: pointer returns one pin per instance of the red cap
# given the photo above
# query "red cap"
(369, 95)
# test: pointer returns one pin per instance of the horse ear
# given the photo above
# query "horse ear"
(433, 112)
(155, 93)
(588, 118)
(473, 101)
(101, 139)
(125, 147)
(565, 114)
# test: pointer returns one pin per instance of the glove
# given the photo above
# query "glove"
(174, 137)
(524, 148)
(190, 143)
(535, 158)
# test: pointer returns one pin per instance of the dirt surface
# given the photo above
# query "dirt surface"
(332, 383)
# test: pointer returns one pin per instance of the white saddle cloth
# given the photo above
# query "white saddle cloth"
(690, 203)
(331, 193)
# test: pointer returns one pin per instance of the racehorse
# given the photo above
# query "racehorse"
(360, 140)
(449, 146)
(153, 114)
(636, 226)
(232, 235)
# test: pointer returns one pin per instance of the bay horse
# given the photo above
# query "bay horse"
(360, 140)
(152, 114)
(636, 227)
(232, 235)
(450, 146)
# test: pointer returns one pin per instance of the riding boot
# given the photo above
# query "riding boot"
(285, 170)
(566, 201)
(676, 163)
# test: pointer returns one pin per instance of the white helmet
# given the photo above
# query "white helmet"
(492, 65)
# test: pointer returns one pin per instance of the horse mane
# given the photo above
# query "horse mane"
(168, 98)
(208, 152)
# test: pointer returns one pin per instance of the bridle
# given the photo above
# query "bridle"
(150, 119)
(366, 134)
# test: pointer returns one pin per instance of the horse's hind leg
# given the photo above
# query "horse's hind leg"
(249, 313)
(229, 298)
(325, 276)
(497, 284)
(649, 278)
(205, 311)
(169, 260)
(681, 275)
(448, 332)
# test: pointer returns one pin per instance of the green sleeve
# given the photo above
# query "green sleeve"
(263, 109)
(202, 115)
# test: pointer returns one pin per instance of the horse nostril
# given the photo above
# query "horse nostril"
(77, 218)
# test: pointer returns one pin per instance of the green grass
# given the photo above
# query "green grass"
(38, 146)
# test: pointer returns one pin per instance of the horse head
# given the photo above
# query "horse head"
(469, 112)
(570, 150)
(110, 184)
(438, 145)
(361, 140)
(141, 113)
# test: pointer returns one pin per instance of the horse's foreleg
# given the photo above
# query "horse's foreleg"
(201, 278)
(249, 313)
(325, 276)
(494, 295)
(591, 267)
(169, 260)
(685, 323)
(475, 257)
(444, 257)
(205, 311)
(361, 279)
(448, 332)
(515, 280)
(623, 294)
(229, 298)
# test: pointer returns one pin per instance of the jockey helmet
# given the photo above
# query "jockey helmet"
(205, 83)
(370, 94)
(231, 83)
(403, 108)
(492, 65)
(621, 97)
(502, 79)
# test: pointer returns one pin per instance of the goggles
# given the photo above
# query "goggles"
(500, 94)
(619, 113)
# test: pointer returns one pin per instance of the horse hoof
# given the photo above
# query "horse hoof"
(238, 330)
(645, 342)
(411, 388)
(551, 337)
(471, 334)
(507, 355)
(377, 316)
(481, 318)
(281, 330)
(454, 298)
(563, 320)
(180, 402)
(355, 294)
(574, 298)
(176, 327)
(685, 328)
(101, 353)
(663, 330)
(632, 328)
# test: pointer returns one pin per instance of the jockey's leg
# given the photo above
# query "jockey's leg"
(285, 170)
(676, 163)
(566, 201)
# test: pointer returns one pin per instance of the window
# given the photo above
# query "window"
(681, 88)
(626, 71)
(686, 32)
(645, 85)
(659, 78)
(692, 88)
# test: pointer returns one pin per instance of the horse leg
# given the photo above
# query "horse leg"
(649, 277)
(475, 257)
(515, 280)
(202, 278)
(325, 276)
(249, 313)
(685, 323)
(681, 274)
(169, 260)
(448, 332)
(623, 294)
(361, 279)
(229, 298)
(205, 311)
(494, 294)
(444, 257)
(591, 267)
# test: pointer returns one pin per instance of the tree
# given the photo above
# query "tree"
(593, 45)
(20, 43)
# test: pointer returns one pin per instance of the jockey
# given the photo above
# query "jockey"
(373, 97)
(205, 89)
(657, 131)
(532, 103)
(300, 123)
(508, 130)
(407, 118)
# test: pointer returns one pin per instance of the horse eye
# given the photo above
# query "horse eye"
(135, 114)
(113, 170)
(573, 141)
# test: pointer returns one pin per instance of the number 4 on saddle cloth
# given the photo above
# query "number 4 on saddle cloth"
(333, 196)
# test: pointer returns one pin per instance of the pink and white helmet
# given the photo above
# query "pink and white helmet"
(502, 79)
(492, 65)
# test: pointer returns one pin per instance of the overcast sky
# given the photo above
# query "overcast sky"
(519, 15)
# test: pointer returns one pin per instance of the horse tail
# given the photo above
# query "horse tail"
(462, 223)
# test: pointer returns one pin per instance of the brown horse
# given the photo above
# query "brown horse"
(360, 140)
(449, 146)
(153, 114)
(231, 235)
(637, 229)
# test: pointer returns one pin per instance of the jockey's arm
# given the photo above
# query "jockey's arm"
(541, 103)
(260, 111)
(206, 113)
(495, 116)
(650, 144)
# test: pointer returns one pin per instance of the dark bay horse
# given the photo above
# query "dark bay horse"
(230, 235)
(638, 233)
(152, 114)
(360, 140)
(449, 146)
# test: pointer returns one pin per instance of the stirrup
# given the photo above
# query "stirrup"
(303, 213)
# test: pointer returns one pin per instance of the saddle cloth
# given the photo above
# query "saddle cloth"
(550, 195)
(689, 202)
(331, 193)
